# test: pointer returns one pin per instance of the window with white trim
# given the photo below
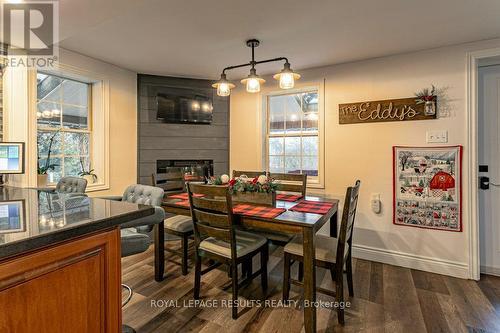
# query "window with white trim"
(293, 136)
(63, 118)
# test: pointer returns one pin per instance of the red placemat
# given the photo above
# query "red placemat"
(183, 203)
(184, 196)
(258, 211)
(317, 207)
(288, 197)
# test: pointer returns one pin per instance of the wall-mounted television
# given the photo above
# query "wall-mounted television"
(184, 106)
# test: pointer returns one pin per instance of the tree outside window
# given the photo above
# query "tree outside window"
(63, 112)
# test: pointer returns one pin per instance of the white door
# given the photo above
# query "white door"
(489, 155)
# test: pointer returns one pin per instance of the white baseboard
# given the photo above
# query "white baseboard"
(490, 270)
(428, 264)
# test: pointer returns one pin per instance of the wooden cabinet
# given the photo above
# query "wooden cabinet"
(71, 287)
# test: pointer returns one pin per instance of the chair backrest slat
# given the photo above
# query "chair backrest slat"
(344, 244)
(288, 182)
(249, 174)
(211, 204)
(211, 219)
(212, 213)
(207, 230)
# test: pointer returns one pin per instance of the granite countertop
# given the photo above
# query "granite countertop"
(31, 219)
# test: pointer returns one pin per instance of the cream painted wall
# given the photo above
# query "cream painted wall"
(364, 151)
(122, 119)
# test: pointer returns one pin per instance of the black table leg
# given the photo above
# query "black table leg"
(159, 235)
(333, 225)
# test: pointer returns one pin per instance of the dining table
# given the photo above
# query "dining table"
(306, 224)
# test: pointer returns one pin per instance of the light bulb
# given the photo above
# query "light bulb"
(286, 77)
(223, 86)
(253, 85)
(56, 112)
(206, 107)
(38, 114)
(287, 81)
(195, 106)
(47, 114)
(223, 89)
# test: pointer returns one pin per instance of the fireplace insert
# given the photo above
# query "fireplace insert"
(171, 175)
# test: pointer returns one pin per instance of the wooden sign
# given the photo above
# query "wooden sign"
(380, 111)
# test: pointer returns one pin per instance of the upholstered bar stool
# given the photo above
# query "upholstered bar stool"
(134, 234)
(71, 185)
(132, 242)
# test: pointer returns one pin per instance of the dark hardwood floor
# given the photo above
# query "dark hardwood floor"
(387, 299)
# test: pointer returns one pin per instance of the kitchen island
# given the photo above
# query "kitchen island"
(60, 268)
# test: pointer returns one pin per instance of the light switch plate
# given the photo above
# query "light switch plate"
(437, 136)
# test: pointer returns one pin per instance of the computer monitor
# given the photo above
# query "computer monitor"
(11, 157)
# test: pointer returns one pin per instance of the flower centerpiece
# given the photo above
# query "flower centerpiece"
(428, 97)
(258, 190)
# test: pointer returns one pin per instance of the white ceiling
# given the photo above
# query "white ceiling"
(197, 38)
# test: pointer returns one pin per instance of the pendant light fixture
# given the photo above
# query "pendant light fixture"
(253, 82)
(223, 86)
(287, 77)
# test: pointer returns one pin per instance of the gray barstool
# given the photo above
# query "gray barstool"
(132, 242)
(71, 185)
(134, 234)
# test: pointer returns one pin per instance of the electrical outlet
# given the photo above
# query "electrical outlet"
(437, 136)
(375, 203)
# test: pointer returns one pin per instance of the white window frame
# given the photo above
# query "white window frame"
(98, 122)
(318, 182)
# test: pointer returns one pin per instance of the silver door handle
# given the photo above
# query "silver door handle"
(494, 184)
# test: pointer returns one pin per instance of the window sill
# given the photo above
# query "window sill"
(97, 187)
(315, 185)
(90, 187)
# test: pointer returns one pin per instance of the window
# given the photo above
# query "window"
(63, 118)
(293, 135)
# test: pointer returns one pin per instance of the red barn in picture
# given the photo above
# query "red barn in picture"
(442, 181)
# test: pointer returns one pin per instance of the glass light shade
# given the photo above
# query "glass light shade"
(223, 86)
(286, 77)
(253, 82)
(223, 89)
(253, 85)
(287, 81)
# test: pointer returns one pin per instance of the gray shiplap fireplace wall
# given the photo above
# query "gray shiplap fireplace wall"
(161, 141)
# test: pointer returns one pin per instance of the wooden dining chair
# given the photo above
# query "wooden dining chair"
(289, 182)
(182, 227)
(331, 253)
(249, 174)
(176, 225)
(216, 238)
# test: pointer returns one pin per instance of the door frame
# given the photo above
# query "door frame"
(472, 111)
